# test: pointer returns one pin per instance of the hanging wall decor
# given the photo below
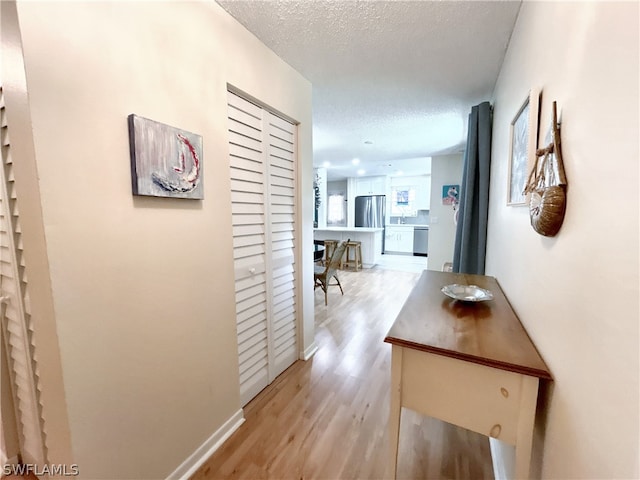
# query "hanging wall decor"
(165, 161)
(524, 141)
(450, 194)
(547, 185)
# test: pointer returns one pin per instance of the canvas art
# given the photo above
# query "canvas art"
(519, 139)
(450, 194)
(165, 161)
(524, 140)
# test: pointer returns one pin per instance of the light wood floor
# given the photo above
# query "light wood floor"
(327, 418)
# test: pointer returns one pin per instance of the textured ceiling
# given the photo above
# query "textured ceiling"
(402, 75)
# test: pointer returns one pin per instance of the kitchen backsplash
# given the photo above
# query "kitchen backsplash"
(421, 219)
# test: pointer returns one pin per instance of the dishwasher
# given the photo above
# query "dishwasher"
(420, 241)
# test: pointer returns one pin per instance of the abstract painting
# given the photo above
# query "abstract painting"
(165, 161)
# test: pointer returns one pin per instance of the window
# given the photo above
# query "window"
(336, 209)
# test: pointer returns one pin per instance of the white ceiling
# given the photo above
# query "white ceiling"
(400, 74)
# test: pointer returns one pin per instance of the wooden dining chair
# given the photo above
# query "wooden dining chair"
(322, 275)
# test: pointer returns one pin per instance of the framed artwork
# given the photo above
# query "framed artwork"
(402, 197)
(450, 194)
(523, 144)
(165, 161)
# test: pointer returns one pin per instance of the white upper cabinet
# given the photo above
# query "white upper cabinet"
(371, 186)
(423, 194)
(416, 189)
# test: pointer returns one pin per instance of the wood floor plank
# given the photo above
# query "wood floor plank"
(327, 418)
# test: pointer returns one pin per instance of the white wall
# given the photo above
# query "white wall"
(445, 170)
(142, 288)
(578, 294)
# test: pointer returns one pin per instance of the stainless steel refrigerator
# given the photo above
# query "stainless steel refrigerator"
(370, 210)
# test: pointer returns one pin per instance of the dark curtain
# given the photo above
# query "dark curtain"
(471, 231)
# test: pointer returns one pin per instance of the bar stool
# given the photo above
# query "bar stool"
(329, 247)
(352, 256)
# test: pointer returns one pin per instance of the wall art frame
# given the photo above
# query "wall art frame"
(523, 142)
(165, 161)
(450, 194)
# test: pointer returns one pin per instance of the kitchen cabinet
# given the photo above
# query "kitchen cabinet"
(398, 238)
(419, 188)
(371, 186)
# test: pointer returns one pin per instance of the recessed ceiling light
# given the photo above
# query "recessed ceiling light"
(355, 161)
(326, 164)
(361, 172)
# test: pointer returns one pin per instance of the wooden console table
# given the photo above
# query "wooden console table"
(469, 364)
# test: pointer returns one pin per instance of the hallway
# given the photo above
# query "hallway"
(327, 418)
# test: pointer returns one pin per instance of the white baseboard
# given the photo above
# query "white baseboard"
(503, 459)
(187, 468)
(310, 351)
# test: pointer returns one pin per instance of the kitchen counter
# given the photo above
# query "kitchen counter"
(370, 239)
(348, 229)
(406, 225)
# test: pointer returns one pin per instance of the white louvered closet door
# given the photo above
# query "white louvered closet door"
(262, 194)
(282, 175)
(17, 324)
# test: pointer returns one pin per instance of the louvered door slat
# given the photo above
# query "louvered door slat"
(248, 164)
(278, 146)
(278, 236)
(240, 152)
(245, 141)
(280, 209)
(282, 182)
(280, 125)
(246, 240)
(240, 186)
(282, 163)
(246, 175)
(239, 230)
(281, 172)
(239, 104)
(282, 200)
(247, 197)
(255, 279)
(239, 208)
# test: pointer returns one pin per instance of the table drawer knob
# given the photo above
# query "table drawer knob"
(504, 392)
(495, 430)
